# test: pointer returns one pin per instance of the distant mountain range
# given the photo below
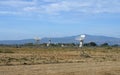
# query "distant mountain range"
(70, 39)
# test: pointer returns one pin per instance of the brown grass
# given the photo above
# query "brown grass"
(99, 68)
(24, 56)
(59, 61)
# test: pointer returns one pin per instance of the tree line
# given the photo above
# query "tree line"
(90, 44)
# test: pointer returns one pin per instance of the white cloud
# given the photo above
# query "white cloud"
(59, 6)
(16, 3)
(65, 6)
(30, 9)
(11, 12)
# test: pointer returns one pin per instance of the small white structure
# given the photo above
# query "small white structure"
(62, 45)
(81, 39)
(37, 40)
(48, 44)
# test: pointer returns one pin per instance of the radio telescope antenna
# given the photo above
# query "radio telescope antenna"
(81, 39)
(48, 44)
(37, 40)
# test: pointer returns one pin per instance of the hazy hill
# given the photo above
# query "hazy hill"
(69, 39)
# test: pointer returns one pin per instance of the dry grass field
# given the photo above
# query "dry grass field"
(59, 61)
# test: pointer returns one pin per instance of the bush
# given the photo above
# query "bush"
(104, 44)
(90, 44)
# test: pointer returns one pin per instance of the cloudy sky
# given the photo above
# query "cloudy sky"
(22, 19)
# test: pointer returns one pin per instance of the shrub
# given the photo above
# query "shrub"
(90, 44)
(104, 44)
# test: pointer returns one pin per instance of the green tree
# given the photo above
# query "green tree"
(90, 44)
(105, 44)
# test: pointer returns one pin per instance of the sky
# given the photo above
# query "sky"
(26, 19)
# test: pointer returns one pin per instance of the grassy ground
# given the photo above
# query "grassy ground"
(59, 61)
(27, 56)
(99, 68)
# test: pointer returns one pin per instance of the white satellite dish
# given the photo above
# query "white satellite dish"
(48, 44)
(37, 40)
(81, 39)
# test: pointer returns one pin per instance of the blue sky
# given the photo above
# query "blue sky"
(22, 19)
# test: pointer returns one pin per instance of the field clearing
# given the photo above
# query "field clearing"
(59, 61)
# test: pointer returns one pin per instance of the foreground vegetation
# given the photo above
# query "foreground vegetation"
(35, 60)
(51, 55)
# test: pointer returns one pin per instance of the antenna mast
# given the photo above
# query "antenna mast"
(82, 37)
(81, 40)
